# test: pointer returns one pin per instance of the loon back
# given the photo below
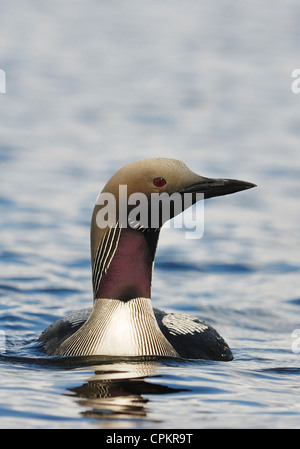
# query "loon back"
(188, 336)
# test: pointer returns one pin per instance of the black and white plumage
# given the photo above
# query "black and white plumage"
(122, 321)
(189, 336)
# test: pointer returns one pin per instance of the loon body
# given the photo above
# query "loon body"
(122, 321)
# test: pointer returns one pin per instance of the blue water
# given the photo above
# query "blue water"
(92, 86)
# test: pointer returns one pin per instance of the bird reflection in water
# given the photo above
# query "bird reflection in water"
(116, 390)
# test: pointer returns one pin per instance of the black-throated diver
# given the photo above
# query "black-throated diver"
(122, 321)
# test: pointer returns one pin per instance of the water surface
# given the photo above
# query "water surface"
(91, 87)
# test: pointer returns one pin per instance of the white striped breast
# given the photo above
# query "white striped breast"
(118, 328)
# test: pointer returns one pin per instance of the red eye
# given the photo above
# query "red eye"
(159, 182)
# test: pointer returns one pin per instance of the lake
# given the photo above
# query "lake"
(93, 86)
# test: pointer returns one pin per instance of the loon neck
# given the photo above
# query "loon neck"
(118, 328)
(122, 263)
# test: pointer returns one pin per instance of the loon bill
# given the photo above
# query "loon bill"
(122, 321)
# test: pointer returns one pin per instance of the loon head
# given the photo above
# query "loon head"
(129, 214)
